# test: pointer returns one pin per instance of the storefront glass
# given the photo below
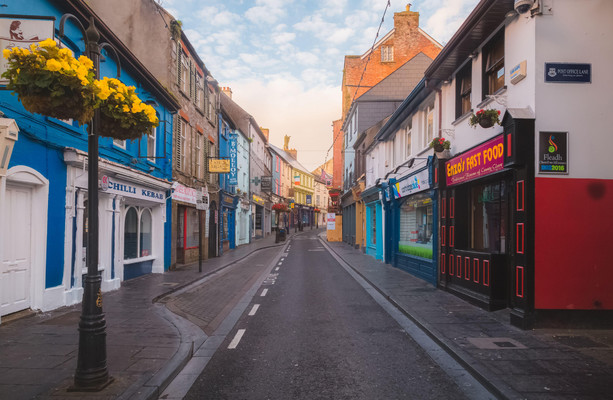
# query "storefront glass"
(145, 234)
(191, 233)
(416, 226)
(130, 236)
(489, 215)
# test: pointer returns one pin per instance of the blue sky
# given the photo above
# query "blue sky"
(283, 59)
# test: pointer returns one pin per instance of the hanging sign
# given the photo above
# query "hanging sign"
(482, 160)
(266, 184)
(553, 153)
(233, 174)
(22, 31)
(217, 165)
(309, 198)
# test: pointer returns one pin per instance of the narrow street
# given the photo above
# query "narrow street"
(311, 331)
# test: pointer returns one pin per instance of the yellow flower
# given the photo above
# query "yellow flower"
(33, 47)
(86, 62)
(53, 65)
(6, 53)
(47, 43)
(126, 108)
(65, 66)
(65, 53)
(25, 52)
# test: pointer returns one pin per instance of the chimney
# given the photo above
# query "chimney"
(227, 91)
(266, 132)
(406, 18)
(293, 153)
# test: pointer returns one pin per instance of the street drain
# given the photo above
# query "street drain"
(170, 284)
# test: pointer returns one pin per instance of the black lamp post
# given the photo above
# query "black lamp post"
(91, 373)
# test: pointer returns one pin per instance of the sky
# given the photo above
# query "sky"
(283, 59)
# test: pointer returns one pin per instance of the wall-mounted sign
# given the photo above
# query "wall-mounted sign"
(184, 193)
(482, 160)
(233, 175)
(553, 153)
(217, 165)
(112, 185)
(296, 179)
(202, 199)
(258, 200)
(309, 199)
(518, 72)
(415, 183)
(266, 184)
(21, 32)
(331, 221)
(568, 72)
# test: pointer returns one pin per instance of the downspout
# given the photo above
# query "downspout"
(439, 92)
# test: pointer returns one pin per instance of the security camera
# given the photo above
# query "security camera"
(523, 6)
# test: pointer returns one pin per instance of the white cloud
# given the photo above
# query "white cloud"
(283, 37)
(306, 58)
(447, 18)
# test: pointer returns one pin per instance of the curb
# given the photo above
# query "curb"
(489, 381)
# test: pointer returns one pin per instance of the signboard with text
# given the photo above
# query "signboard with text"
(568, 72)
(482, 160)
(553, 153)
(220, 166)
(233, 174)
(267, 184)
(416, 183)
(331, 221)
(128, 189)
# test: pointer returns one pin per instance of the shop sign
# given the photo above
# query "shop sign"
(482, 160)
(233, 174)
(217, 165)
(112, 185)
(21, 32)
(258, 200)
(331, 221)
(202, 199)
(568, 72)
(553, 153)
(309, 198)
(266, 184)
(415, 183)
(184, 193)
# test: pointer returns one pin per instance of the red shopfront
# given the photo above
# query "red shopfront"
(486, 223)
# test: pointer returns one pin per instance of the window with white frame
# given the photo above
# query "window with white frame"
(138, 230)
(198, 155)
(119, 143)
(151, 144)
(408, 148)
(493, 65)
(387, 53)
(185, 78)
(197, 90)
(463, 90)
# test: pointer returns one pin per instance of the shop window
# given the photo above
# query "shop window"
(145, 233)
(373, 223)
(187, 226)
(493, 65)
(137, 236)
(463, 90)
(489, 217)
(416, 226)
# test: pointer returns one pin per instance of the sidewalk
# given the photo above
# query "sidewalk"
(510, 362)
(147, 345)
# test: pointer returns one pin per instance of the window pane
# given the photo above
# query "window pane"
(373, 221)
(416, 226)
(489, 217)
(145, 234)
(130, 244)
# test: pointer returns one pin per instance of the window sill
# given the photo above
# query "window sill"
(488, 100)
(137, 260)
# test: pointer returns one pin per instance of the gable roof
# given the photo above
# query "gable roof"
(289, 159)
(399, 84)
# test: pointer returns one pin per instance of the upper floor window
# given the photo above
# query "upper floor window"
(429, 125)
(408, 141)
(151, 139)
(185, 75)
(387, 53)
(463, 86)
(493, 65)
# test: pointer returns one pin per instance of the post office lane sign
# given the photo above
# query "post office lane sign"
(482, 160)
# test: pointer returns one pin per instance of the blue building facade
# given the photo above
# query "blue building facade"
(44, 193)
(228, 200)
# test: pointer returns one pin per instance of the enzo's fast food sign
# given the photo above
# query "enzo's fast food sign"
(483, 160)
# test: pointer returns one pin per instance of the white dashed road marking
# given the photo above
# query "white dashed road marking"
(237, 338)
(264, 292)
(254, 310)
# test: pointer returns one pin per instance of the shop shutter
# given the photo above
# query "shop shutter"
(178, 143)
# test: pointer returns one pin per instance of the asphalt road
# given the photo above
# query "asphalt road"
(312, 332)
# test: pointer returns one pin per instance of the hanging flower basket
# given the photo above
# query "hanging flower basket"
(440, 144)
(122, 114)
(316, 210)
(279, 207)
(485, 118)
(50, 81)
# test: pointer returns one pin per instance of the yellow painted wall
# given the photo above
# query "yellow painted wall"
(337, 234)
(360, 224)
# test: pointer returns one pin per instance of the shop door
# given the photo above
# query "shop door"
(15, 269)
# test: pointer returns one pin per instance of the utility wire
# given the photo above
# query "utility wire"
(372, 49)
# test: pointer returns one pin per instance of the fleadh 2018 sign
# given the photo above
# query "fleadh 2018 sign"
(483, 160)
